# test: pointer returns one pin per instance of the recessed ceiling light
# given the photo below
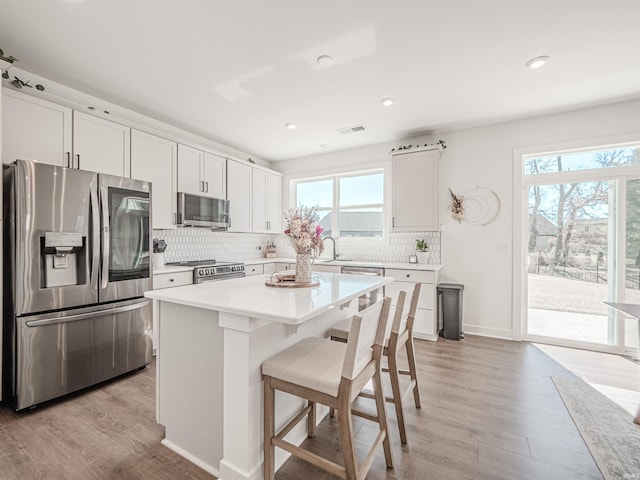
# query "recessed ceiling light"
(325, 60)
(290, 126)
(387, 102)
(537, 62)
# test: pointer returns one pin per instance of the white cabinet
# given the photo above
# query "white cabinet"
(35, 129)
(274, 202)
(172, 279)
(167, 280)
(155, 159)
(267, 201)
(250, 270)
(214, 173)
(201, 173)
(239, 194)
(416, 191)
(269, 268)
(426, 324)
(101, 145)
(189, 161)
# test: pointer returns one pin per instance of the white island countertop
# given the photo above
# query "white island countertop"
(249, 296)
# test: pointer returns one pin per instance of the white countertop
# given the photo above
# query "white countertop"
(171, 269)
(249, 296)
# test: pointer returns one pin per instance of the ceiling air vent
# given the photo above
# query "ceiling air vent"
(354, 129)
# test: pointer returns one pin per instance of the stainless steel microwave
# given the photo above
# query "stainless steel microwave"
(199, 211)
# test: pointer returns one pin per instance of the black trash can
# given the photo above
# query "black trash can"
(450, 310)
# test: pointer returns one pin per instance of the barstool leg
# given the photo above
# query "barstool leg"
(269, 429)
(382, 417)
(395, 389)
(311, 420)
(411, 357)
(345, 427)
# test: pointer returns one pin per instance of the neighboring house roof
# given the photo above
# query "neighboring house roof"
(544, 225)
(356, 222)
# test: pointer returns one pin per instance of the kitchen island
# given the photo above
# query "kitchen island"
(212, 340)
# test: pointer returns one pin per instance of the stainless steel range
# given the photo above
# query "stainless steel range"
(211, 270)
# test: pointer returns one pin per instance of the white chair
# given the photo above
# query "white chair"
(400, 334)
(332, 374)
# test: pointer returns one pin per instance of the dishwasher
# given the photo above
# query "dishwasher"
(372, 297)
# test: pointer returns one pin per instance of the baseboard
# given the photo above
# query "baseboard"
(488, 332)
(192, 458)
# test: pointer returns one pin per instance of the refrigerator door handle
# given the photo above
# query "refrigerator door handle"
(95, 238)
(84, 316)
(106, 247)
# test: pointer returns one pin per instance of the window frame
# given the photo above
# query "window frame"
(336, 176)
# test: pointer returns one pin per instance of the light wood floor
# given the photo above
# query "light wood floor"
(490, 411)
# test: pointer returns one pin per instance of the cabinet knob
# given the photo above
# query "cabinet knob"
(408, 275)
(171, 279)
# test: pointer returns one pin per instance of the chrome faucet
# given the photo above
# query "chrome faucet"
(334, 255)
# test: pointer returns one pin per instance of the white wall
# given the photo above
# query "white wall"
(481, 257)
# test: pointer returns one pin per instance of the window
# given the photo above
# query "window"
(350, 205)
(586, 160)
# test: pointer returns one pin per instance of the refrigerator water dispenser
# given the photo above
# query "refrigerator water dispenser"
(63, 257)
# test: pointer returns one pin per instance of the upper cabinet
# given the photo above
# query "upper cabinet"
(416, 191)
(155, 159)
(267, 201)
(239, 194)
(35, 129)
(201, 173)
(101, 145)
(214, 174)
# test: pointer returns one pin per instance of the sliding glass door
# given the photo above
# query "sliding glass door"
(582, 248)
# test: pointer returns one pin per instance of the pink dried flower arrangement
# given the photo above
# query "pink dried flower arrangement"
(302, 230)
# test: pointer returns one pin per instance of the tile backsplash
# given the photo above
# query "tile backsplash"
(201, 244)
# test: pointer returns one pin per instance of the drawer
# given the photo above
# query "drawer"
(253, 270)
(427, 294)
(422, 276)
(165, 280)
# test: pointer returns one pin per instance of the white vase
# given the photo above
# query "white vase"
(303, 268)
(423, 257)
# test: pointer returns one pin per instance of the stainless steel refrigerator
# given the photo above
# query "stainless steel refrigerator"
(77, 264)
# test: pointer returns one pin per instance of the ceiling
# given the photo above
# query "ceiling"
(237, 71)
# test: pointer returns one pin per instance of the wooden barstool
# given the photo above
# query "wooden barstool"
(401, 334)
(332, 374)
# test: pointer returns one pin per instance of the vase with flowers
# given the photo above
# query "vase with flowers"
(303, 232)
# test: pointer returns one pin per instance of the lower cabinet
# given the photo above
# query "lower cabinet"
(426, 323)
(167, 280)
(254, 270)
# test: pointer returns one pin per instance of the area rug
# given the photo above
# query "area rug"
(607, 429)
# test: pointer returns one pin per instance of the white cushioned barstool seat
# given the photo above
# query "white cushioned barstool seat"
(312, 363)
